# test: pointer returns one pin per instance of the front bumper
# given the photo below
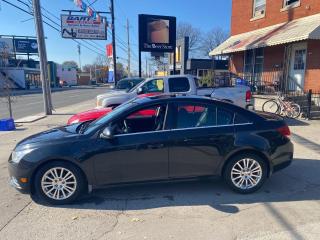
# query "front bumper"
(16, 172)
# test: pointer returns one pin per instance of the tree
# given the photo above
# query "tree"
(185, 29)
(71, 63)
(212, 39)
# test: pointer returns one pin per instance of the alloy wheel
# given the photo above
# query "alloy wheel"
(246, 173)
(59, 183)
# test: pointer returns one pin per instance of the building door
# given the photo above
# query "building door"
(297, 66)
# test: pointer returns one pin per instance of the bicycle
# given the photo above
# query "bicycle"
(281, 107)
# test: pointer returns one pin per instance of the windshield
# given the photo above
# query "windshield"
(101, 121)
(127, 84)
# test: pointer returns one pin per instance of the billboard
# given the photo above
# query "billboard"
(157, 33)
(25, 45)
(83, 27)
(6, 46)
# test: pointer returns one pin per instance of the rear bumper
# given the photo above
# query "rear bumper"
(283, 159)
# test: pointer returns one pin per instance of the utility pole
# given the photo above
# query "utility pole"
(114, 42)
(79, 52)
(43, 58)
(129, 49)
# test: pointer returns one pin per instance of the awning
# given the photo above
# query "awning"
(293, 31)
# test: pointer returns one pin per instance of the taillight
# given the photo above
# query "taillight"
(284, 131)
(248, 96)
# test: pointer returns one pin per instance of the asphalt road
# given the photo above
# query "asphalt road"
(32, 104)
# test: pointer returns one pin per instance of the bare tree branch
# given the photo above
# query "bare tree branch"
(187, 30)
(213, 39)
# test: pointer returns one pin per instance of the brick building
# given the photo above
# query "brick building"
(275, 44)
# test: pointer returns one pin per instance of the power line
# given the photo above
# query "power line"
(48, 24)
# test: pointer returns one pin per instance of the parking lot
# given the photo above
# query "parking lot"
(287, 207)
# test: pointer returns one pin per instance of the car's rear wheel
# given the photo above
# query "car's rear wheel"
(245, 173)
(59, 183)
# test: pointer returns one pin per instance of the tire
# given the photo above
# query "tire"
(294, 111)
(240, 182)
(271, 106)
(66, 190)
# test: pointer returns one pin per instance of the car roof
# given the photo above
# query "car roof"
(177, 97)
(132, 79)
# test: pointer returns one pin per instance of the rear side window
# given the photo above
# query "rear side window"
(240, 119)
(224, 117)
(179, 85)
(191, 115)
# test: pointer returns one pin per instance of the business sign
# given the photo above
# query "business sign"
(25, 45)
(109, 50)
(157, 33)
(6, 46)
(83, 27)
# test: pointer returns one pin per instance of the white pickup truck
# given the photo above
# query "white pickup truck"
(182, 84)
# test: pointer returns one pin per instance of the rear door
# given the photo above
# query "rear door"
(202, 135)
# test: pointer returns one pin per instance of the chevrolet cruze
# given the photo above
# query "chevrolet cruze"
(176, 137)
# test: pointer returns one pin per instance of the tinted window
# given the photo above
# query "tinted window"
(143, 120)
(224, 117)
(179, 85)
(195, 115)
(240, 119)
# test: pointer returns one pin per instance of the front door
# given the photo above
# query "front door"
(138, 151)
(297, 66)
(200, 138)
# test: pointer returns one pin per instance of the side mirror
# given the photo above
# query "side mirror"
(107, 133)
(140, 91)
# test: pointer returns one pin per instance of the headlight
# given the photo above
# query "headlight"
(75, 121)
(18, 155)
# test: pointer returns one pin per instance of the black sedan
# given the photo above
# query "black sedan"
(153, 139)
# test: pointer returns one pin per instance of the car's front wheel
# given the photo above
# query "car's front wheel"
(59, 183)
(245, 173)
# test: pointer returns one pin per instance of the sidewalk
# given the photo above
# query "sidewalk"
(285, 208)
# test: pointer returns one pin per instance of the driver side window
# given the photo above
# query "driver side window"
(148, 119)
(154, 86)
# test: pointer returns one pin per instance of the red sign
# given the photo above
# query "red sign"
(109, 50)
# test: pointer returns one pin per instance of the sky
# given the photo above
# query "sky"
(204, 14)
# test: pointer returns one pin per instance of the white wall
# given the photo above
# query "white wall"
(67, 74)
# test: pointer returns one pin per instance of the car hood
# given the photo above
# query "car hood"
(112, 93)
(89, 115)
(51, 136)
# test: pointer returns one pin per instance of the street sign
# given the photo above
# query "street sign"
(83, 27)
(6, 46)
(25, 45)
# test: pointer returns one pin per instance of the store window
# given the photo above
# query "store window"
(288, 3)
(203, 72)
(259, 8)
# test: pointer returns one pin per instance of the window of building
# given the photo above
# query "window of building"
(299, 59)
(203, 72)
(290, 2)
(259, 8)
(253, 66)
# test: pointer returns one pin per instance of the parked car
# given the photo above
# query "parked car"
(186, 84)
(184, 137)
(96, 113)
